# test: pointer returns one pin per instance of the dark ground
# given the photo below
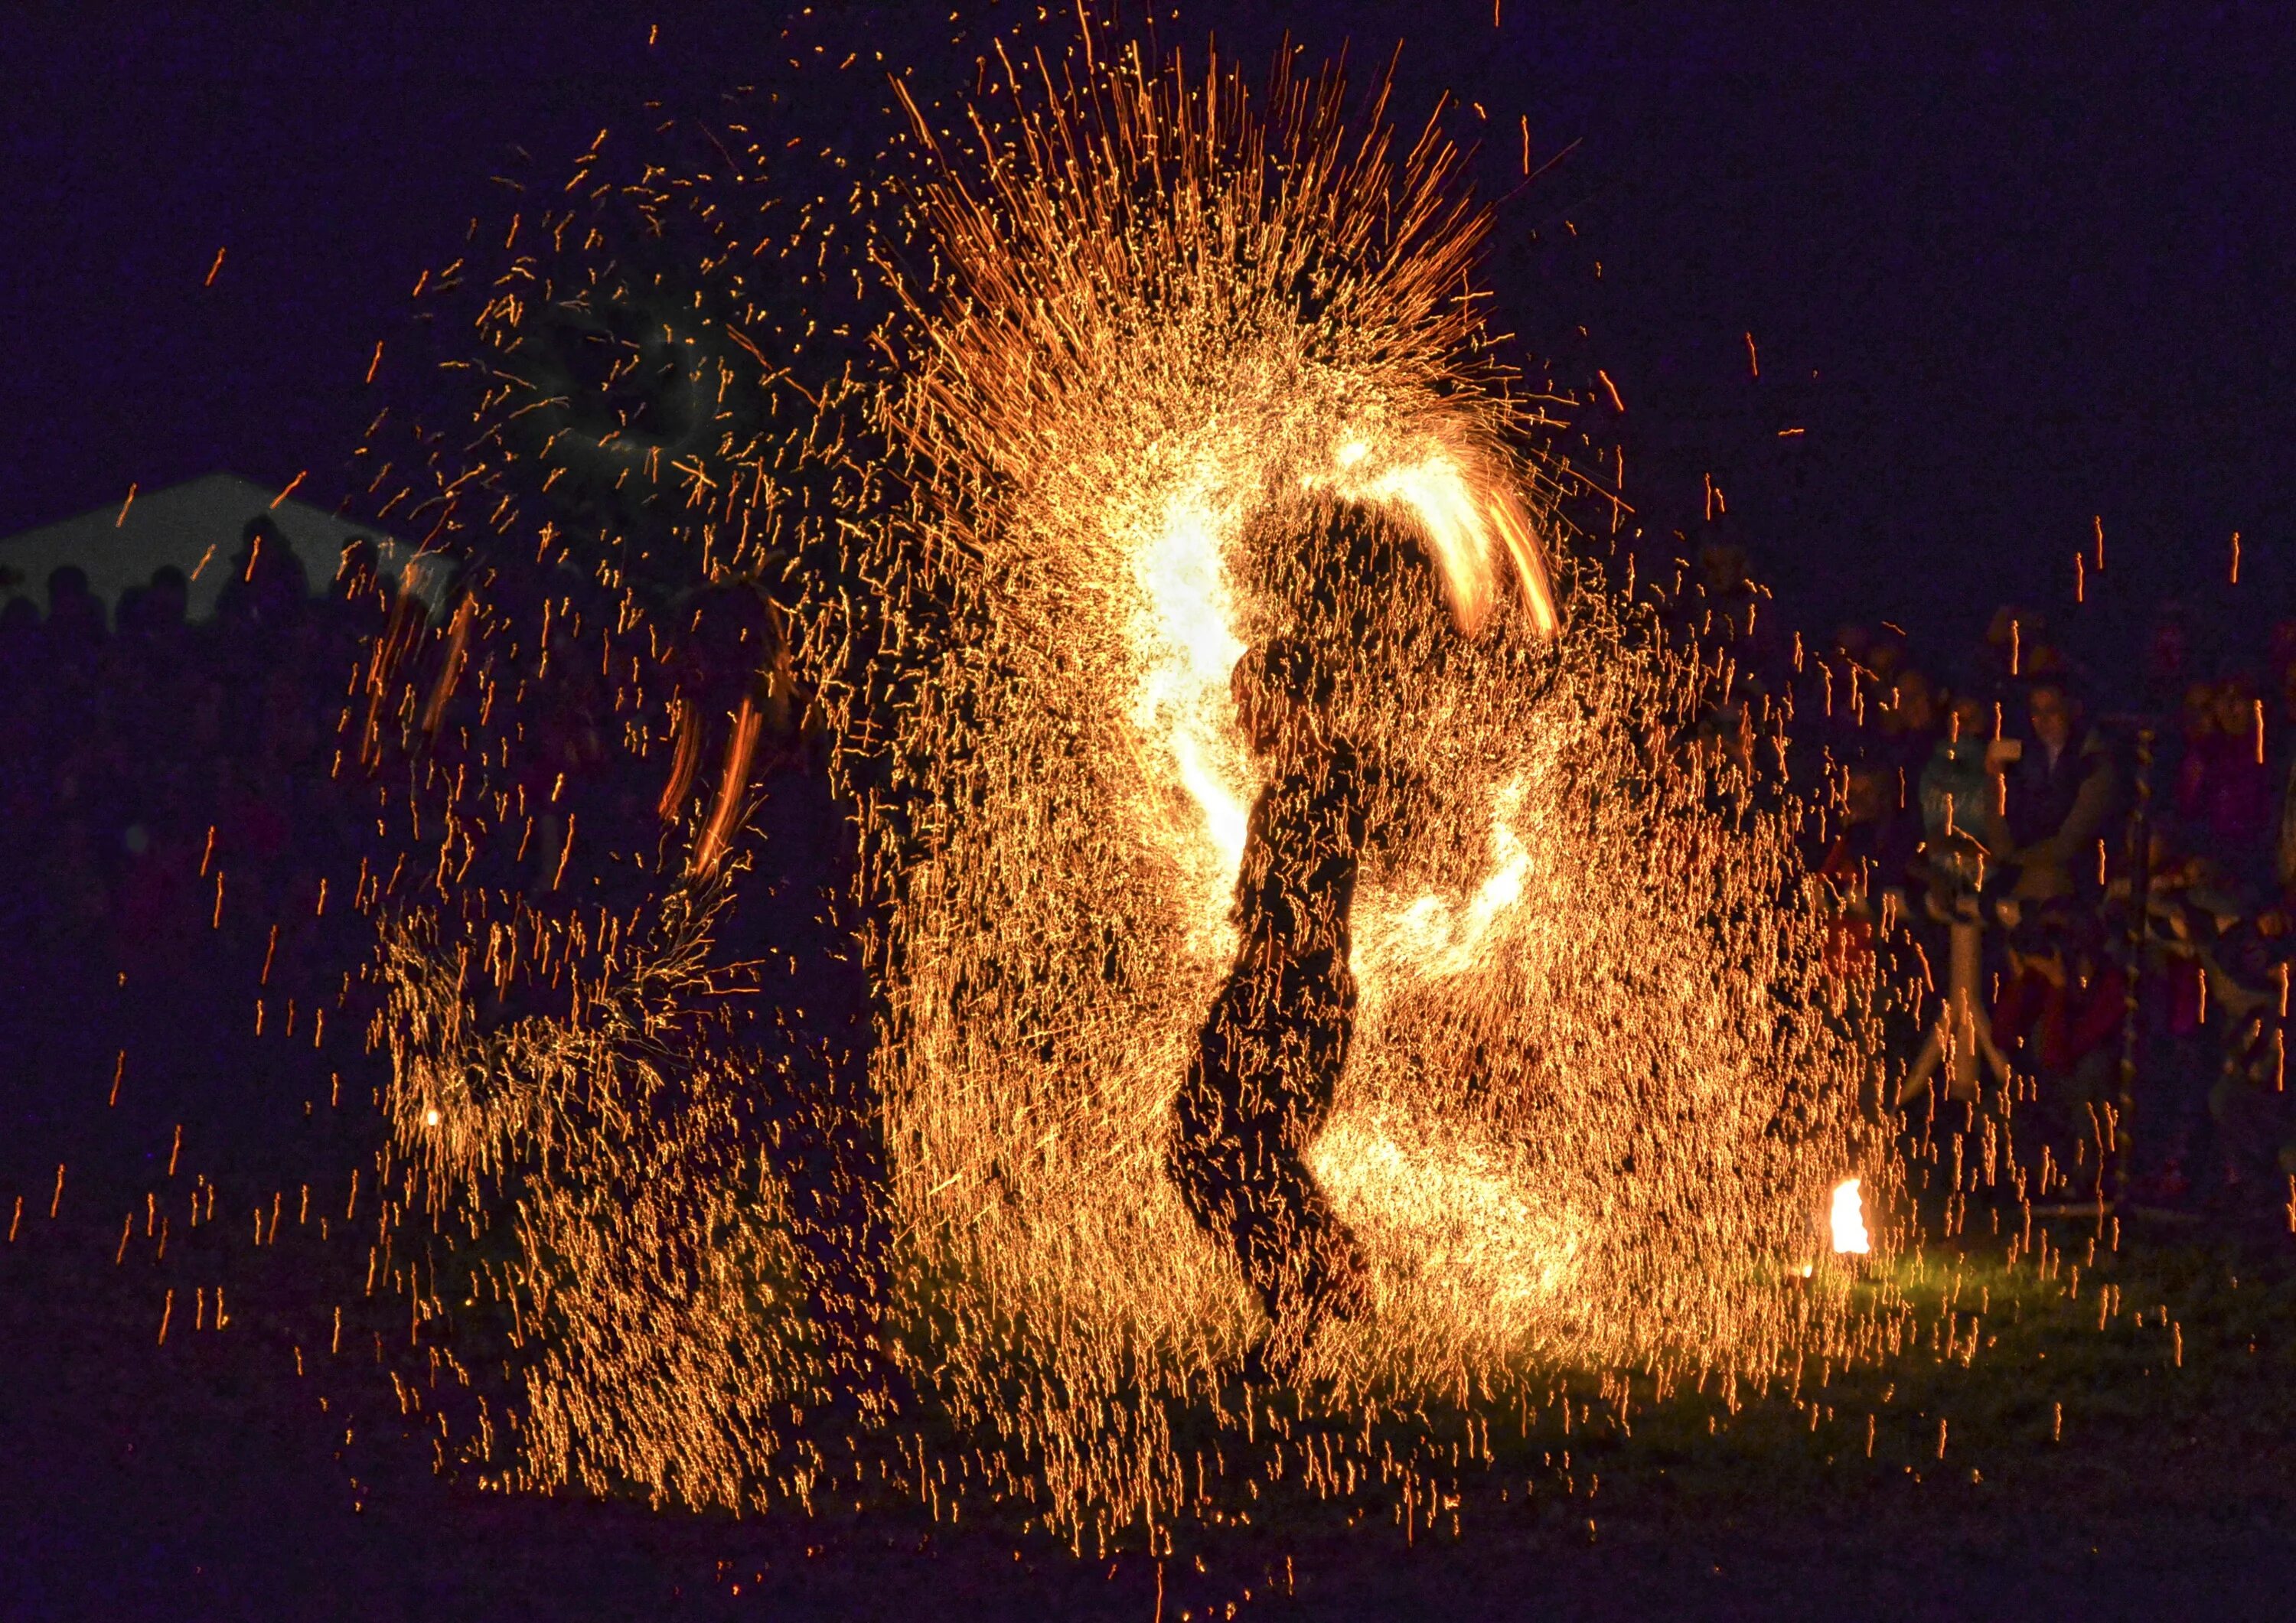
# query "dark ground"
(200, 1479)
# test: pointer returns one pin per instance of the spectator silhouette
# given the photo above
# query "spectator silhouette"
(2059, 793)
(266, 593)
(2065, 1000)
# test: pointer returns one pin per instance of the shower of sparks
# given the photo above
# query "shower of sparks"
(1199, 371)
(1193, 367)
(595, 1097)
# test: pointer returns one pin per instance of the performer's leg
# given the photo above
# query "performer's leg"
(1212, 1137)
(1252, 1102)
(1273, 1092)
(1332, 1275)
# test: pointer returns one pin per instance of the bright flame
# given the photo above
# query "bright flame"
(1849, 1220)
(1465, 514)
(1437, 494)
(1187, 646)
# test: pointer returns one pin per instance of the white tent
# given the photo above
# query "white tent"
(195, 526)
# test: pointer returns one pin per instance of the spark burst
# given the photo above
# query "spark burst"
(1202, 370)
(1194, 368)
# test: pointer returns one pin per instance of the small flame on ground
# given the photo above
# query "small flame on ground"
(1849, 1219)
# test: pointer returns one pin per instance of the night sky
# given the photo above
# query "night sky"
(2008, 267)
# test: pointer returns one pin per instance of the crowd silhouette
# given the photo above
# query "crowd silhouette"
(171, 814)
(2121, 865)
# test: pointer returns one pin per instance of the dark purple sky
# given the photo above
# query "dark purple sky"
(2007, 266)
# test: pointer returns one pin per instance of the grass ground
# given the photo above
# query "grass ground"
(2123, 1447)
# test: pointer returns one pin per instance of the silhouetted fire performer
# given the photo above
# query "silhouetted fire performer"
(1273, 1049)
